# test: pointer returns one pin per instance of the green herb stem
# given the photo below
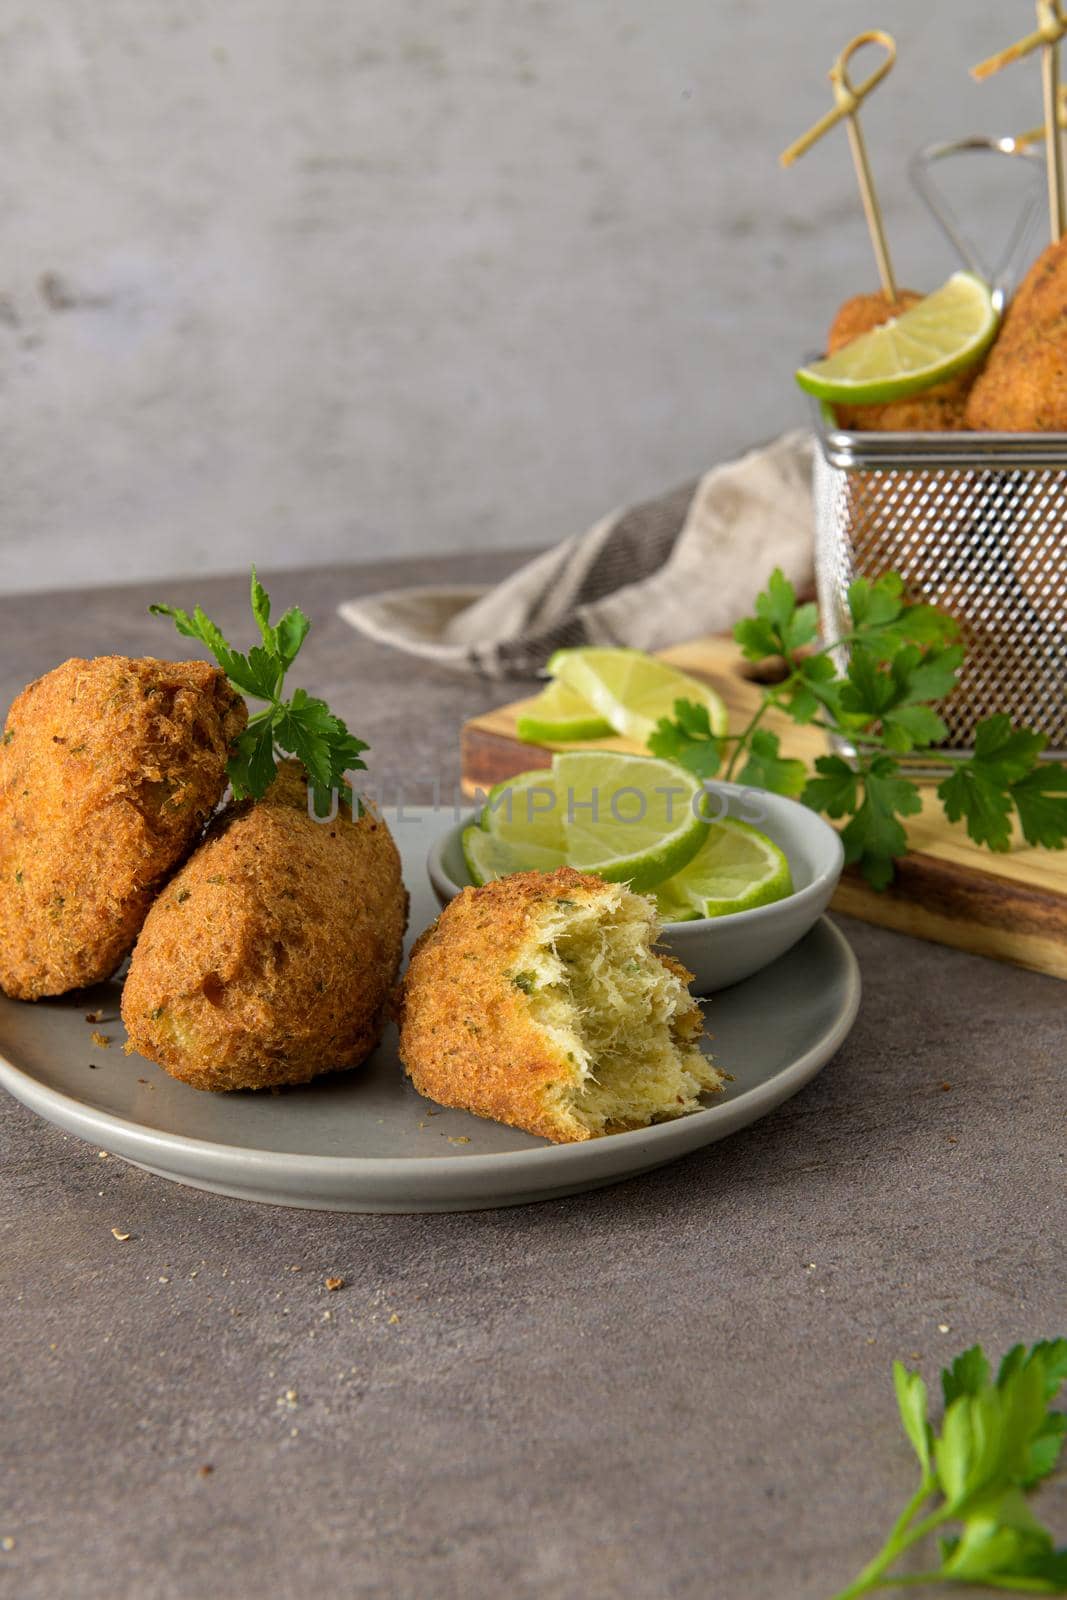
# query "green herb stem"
(903, 661)
(901, 1539)
(299, 725)
(744, 737)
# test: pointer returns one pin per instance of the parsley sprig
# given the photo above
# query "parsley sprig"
(999, 1439)
(901, 657)
(300, 726)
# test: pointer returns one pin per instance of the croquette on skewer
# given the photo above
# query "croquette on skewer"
(539, 1001)
(271, 957)
(1023, 386)
(937, 410)
(108, 771)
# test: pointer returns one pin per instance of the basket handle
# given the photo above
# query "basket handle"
(1002, 273)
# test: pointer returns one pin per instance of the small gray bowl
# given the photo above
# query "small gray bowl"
(720, 950)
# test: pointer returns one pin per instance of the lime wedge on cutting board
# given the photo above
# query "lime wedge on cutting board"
(943, 334)
(558, 715)
(632, 690)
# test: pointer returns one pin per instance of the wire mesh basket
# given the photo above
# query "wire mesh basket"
(975, 523)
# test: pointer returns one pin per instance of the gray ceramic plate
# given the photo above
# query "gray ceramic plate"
(365, 1141)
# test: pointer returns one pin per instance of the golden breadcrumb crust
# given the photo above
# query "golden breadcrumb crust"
(271, 956)
(467, 1035)
(936, 410)
(108, 771)
(1023, 387)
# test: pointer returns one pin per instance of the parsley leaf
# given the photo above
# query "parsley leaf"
(911, 1403)
(816, 687)
(998, 1439)
(253, 674)
(1041, 802)
(301, 726)
(1005, 774)
(874, 836)
(766, 769)
(968, 1374)
(877, 689)
(835, 790)
(780, 626)
(689, 740)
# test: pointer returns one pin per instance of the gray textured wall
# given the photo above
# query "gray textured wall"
(300, 281)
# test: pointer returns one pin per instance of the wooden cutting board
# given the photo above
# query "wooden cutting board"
(1012, 907)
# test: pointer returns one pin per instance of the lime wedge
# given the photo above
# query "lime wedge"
(735, 869)
(670, 904)
(630, 819)
(488, 857)
(524, 812)
(558, 715)
(633, 690)
(943, 334)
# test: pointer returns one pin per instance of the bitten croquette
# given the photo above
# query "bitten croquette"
(272, 955)
(109, 770)
(539, 1001)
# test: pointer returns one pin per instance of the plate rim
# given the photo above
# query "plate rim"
(142, 1144)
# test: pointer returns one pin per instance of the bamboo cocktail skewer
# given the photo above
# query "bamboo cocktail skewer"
(1036, 135)
(1051, 27)
(848, 98)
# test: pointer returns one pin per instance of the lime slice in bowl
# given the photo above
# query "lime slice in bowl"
(735, 869)
(559, 714)
(524, 812)
(945, 333)
(630, 819)
(671, 905)
(632, 690)
(488, 857)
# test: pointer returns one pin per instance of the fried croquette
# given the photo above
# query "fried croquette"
(108, 771)
(539, 1001)
(1023, 386)
(864, 312)
(272, 955)
(937, 410)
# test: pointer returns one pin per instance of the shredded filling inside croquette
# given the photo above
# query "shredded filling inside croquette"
(620, 1017)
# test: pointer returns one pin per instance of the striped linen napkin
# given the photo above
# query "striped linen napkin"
(688, 563)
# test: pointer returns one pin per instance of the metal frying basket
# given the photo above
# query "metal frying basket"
(973, 522)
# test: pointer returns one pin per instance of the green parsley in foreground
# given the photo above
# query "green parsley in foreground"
(300, 726)
(999, 1440)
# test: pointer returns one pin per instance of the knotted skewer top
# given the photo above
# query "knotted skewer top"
(848, 97)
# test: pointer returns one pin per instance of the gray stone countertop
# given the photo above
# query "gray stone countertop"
(676, 1387)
